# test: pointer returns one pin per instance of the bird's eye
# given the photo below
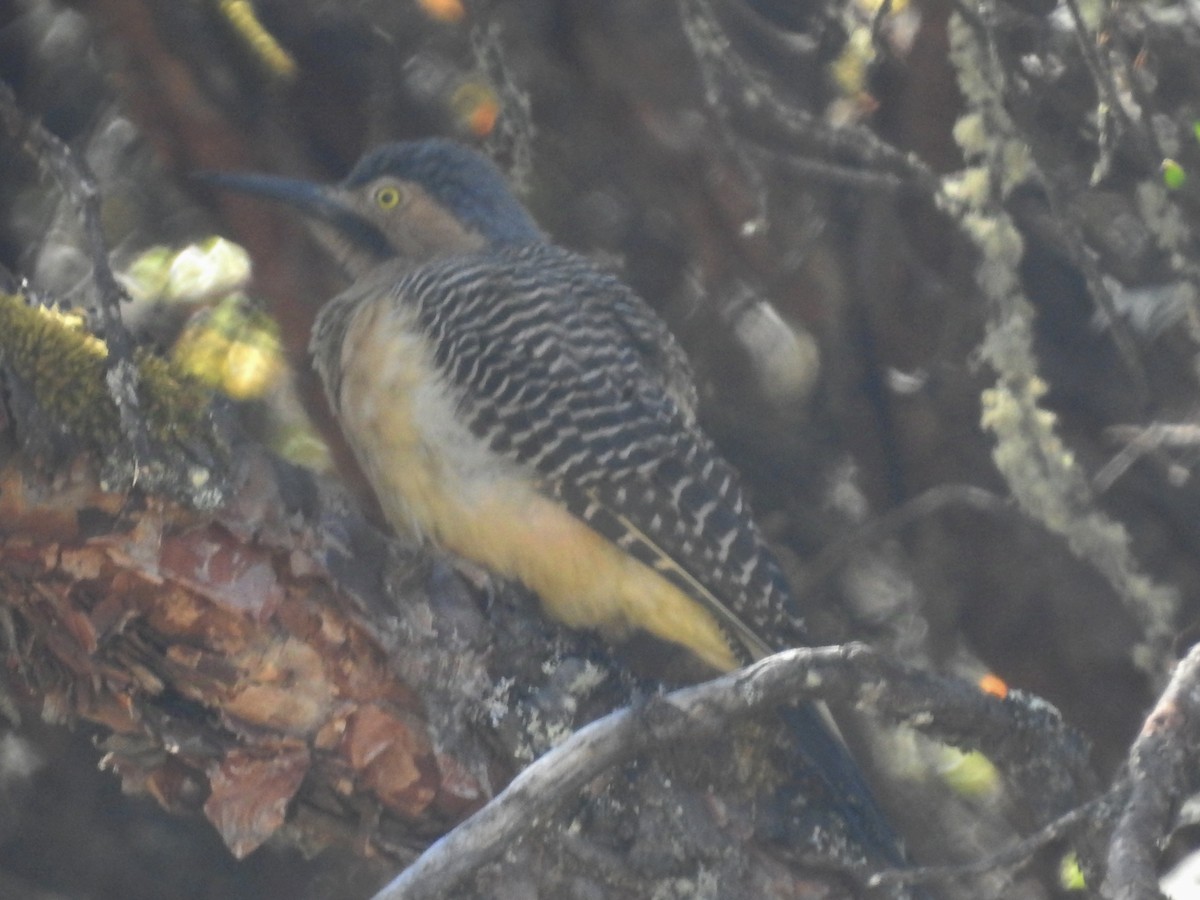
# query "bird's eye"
(388, 197)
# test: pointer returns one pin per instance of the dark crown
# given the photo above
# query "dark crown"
(465, 182)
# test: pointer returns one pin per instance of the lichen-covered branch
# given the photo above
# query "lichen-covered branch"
(1016, 732)
(1041, 472)
(1161, 771)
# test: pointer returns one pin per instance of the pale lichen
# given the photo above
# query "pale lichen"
(1040, 470)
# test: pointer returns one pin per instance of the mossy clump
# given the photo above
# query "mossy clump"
(58, 387)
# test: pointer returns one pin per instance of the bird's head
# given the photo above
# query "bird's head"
(414, 200)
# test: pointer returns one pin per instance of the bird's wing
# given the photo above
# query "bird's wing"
(636, 327)
(560, 369)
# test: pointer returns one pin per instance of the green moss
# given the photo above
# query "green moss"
(61, 373)
(62, 367)
(174, 405)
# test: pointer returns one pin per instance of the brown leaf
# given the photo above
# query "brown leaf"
(251, 791)
(212, 563)
(393, 757)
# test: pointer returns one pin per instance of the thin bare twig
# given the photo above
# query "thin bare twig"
(730, 81)
(76, 180)
(1017, 852)
(837, 554)
(1138, 442)
(1106, 86)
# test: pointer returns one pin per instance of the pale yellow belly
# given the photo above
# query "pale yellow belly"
(433, 477)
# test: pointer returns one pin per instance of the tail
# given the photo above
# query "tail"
(828, 791)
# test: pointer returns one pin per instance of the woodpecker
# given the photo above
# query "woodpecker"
(527, 411)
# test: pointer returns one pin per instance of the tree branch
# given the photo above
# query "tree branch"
(1161, 766)
(940, 706)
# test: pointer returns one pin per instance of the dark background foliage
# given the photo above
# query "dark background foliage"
(714, 155)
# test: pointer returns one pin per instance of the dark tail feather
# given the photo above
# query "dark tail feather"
(831, 793)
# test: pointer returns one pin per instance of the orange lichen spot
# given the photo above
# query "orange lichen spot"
(994, 685)
(444, 10)
(476, 106)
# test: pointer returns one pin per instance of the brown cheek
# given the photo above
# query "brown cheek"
(435, 232)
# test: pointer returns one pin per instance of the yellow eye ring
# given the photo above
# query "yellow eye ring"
(388, 197)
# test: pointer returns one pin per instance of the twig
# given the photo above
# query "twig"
(846, 176)
(76, 180)
(1044, 477)
(1106, 86)
(1158, 434)
(1138, 442)
(837, 554)
(948, 708)
(1017, 852)
(1062, 231)
(729, 79)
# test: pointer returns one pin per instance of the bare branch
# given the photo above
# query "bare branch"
(79, 184)
(944, 707)
(1160, 770)
(732, 83)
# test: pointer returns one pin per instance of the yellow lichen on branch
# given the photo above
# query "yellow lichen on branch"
(269, 52)
(63, 367)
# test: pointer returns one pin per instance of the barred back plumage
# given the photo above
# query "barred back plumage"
(561, 368)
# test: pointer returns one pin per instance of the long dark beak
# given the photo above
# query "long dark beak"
(319, 202)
